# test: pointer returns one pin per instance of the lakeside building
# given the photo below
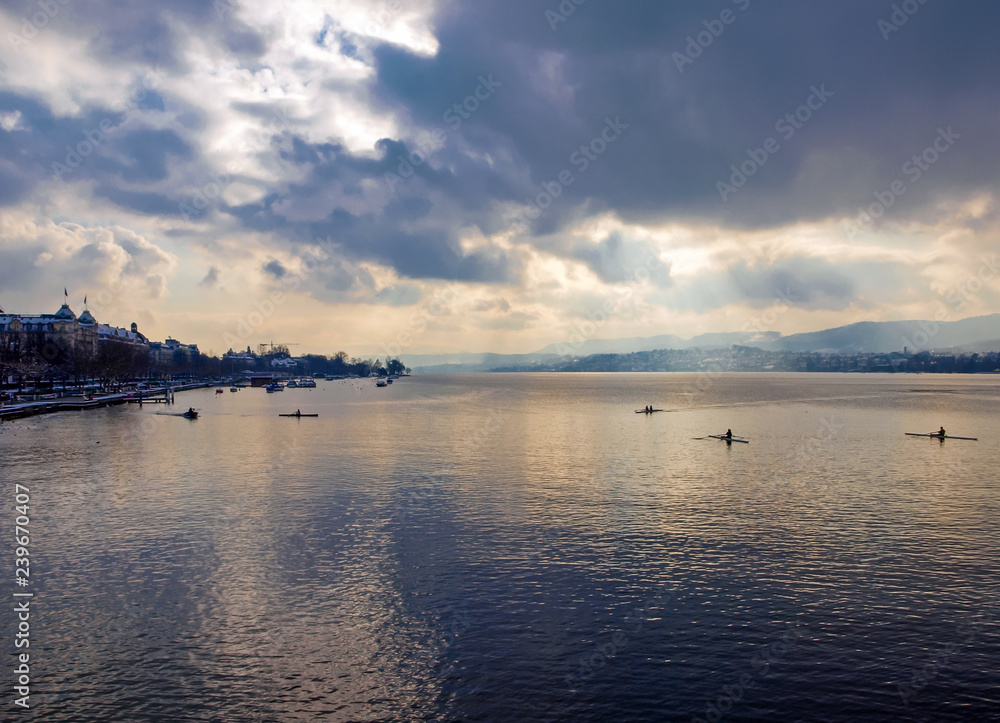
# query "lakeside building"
(25, 334)
(171, 351)
(64, 337)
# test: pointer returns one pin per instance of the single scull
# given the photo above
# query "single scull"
(729, 439)
(935, 435)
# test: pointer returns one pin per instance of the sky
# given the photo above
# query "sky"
(422, 176)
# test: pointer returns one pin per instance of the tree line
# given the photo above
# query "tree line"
(35, 359)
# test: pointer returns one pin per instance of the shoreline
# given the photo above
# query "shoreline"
(21, 410)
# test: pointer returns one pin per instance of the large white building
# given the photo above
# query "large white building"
(59, 335)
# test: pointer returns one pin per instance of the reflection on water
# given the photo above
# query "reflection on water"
(504, 547)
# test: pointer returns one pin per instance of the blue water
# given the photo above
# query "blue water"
(518, 547)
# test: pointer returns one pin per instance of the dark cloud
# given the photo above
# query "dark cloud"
(517, 106)
(687, 128)
(618, 260)
(275, 269)
(810, 283)
(211, 279)
(147, 153)
(800, 282)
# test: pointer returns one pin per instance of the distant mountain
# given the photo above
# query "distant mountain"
(979, 347)
(663, 341)
(978, 333)
(465, 362)
(886, 336)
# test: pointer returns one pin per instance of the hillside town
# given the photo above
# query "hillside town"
(738, 358)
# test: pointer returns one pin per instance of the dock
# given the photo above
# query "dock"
(156, 395)
(61, 404)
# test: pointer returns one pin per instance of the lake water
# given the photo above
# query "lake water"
(517, 547)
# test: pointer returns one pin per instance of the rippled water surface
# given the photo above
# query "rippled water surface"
(518, 547)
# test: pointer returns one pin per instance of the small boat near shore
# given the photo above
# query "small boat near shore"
(190, 414)
(648, 411)
(298, 414)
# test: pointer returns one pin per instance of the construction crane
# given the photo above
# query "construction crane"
(269, 348)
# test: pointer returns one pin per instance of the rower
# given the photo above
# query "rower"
(941, 432)
(190, 410)
(729, 434)
(298, 412)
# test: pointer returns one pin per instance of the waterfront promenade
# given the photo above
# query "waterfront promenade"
(69, 403)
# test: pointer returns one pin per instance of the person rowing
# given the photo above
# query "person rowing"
(942, 432)
(728, 434)
(298, 412)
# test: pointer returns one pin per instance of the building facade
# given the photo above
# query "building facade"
(62, 338)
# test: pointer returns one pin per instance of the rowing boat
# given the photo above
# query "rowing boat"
(729, 439)
(298, 415)
(648, 411)
(934, 435)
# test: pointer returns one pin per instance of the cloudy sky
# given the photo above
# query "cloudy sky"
(496, 175)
